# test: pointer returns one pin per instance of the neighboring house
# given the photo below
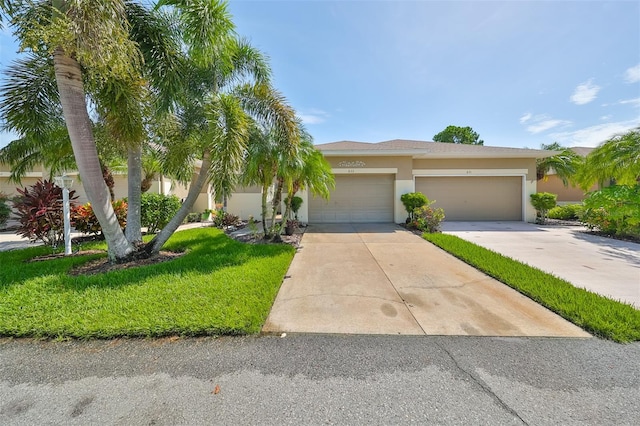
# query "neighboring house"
(569, 194)
(470, 182)
(160, 185)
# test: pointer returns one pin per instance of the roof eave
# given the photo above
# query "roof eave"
(437, 155)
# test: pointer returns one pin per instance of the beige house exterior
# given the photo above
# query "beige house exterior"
(160, 185)
(469, 182)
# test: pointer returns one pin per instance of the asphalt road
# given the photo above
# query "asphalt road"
(320, 379)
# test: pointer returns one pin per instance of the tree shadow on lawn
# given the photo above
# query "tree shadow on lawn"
(204, 254)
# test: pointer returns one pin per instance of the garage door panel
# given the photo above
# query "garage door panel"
(475, 198)
(356, 198)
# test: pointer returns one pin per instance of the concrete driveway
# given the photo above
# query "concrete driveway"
(382, 279)
(603, 265)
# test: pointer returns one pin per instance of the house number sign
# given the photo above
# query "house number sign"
(351, 164)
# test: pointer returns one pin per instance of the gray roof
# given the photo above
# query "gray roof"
(423, 149)
(582, 151)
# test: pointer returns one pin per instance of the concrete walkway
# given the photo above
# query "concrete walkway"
(603, 265)
(382, 279)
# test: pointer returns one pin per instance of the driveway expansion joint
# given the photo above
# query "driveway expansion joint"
(404, 302)
(399, 302)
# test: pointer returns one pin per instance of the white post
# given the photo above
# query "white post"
(65, 182)
(67, 221)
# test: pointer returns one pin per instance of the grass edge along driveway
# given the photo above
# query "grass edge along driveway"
(219, 286)
(596, 314)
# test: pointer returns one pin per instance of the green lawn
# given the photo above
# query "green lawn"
(219, 286)
(594, 313)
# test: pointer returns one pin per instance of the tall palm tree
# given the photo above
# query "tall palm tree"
(223, 81)
(88, 43)
(618, 158)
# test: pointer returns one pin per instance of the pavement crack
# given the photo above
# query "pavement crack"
(486, 388)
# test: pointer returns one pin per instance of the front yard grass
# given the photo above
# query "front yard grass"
(219, 286)
(596, 314)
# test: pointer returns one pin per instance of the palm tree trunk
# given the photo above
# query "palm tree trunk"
(197, 183)
(265, 190)
(134, 194)
(74, 108)
(277, 199)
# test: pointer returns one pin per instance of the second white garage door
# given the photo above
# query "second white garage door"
(475, 198)
(356, 198)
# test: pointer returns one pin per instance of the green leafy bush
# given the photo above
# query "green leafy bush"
(5, 210)
(568, 212)
(543, 202)
(156, 210)
(425, 218)
(85, 220)
(39, 210)
(412, 201)
(428, 219)
(614, 210)
(193, 217)
(296, 203)
(222, 219)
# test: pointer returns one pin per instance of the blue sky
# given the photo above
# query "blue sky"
(521, 73)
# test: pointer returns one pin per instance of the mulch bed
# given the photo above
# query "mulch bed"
(102, 265)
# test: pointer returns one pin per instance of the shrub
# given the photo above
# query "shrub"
(5, 210)
(85, 220)
(193, 217)
(542, 202)
(156, 210)
(39, 208)
(427, 219)
(412, 201)
(614, 210)
(568, 212)
(296, 203)
(223, 219)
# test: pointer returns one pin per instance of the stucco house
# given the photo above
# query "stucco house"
(160, 185)
(469, 182)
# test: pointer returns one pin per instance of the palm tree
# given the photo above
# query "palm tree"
(88, 44)
(314, 173)
(618, 158)
(261, 167)
(565, 164)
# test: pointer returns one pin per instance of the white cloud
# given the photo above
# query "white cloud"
(313, 116)
(526, 117)
(543, 125)
(541, 122)
(633, 102)
(606, 117)
(594, 135)
(632, 75)
(585, 93)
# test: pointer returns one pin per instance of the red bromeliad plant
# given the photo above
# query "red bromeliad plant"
(86, 221)
(40, 212)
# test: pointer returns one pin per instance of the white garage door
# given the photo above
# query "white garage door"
(356, 198)
(475, 198)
